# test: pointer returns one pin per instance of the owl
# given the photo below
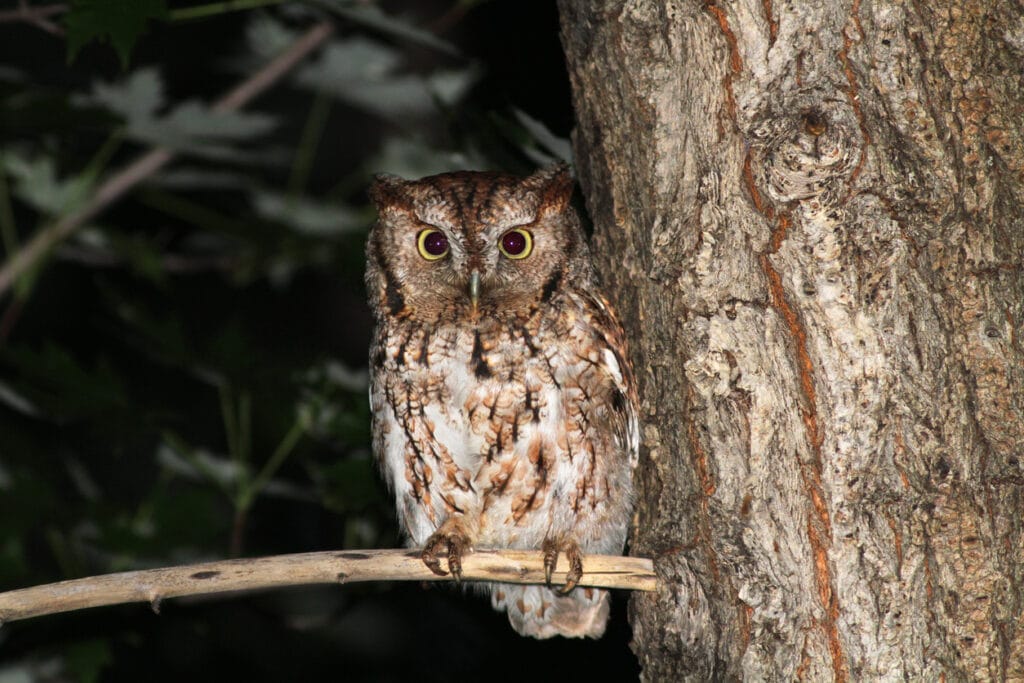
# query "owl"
(504, 404)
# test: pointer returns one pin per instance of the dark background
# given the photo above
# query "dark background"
(183, 313)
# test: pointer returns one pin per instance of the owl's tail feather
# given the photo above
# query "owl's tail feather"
(540, 612)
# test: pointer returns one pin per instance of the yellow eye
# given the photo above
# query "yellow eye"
(516, 244)
(433, 244)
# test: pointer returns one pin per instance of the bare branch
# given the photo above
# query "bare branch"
(342, 566)
(131, 175)
(31, 14)
(49, 27)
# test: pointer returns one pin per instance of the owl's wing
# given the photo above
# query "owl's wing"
(616, 362)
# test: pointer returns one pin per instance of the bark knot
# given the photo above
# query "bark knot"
(806, 153)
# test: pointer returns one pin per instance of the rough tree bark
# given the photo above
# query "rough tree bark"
(811, 217)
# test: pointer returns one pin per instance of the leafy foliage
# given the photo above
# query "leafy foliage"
(189, 127)
(119, 21)
(183, 377)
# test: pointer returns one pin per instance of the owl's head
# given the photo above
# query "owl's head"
(473, 242)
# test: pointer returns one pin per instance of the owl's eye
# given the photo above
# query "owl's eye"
(432, 244)
(516, 244)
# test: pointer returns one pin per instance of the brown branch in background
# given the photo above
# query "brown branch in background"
(26, 12)
(38, 16)
(169, 262)
(342, 566)
(455, 13)
(149, 163)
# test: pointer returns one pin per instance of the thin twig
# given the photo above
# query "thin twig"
(49, 27)
(216, 8)
(30, 13)
(149, 163)
(42, 22)
(169, 262)
(343, 566)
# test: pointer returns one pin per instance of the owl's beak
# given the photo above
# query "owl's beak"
(474, 288)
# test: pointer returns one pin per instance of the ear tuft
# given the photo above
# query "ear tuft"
(386, 190)
(555, 186)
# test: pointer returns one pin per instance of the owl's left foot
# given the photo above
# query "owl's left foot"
(572, 552)
(448, 542)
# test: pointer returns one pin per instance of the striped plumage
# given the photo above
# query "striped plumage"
(504, 405)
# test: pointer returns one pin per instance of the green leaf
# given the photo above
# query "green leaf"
(190, 127)
(334, 402)
(119, 21)
(36, 184)
(194, 120)
(411, 158)
(195, 178)
(560, 149)
(362, 72)
(267, 37)
(371, 16)
(307, 216)
(195, 129)
(136, 98)
(199, 464)
(57, 384)
(12, 399)
(183, 517)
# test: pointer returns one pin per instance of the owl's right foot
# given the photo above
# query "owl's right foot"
(572, 552)
(446, 542)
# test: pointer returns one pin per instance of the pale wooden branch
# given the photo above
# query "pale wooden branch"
(26, 12)
(342, 566)
(131, 175)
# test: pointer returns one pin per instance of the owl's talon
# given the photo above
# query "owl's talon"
(456, 545)
(450, 545)
(575, 573)
(550, 549)
(433, 564)
(572, 553)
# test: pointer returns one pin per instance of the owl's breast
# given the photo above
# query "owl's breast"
(474, 389)
(493, 394)
(497, 420)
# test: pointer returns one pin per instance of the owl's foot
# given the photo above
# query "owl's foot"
(571, 549)
(449, 542)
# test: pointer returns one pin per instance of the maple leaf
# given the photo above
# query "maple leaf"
(119, 21)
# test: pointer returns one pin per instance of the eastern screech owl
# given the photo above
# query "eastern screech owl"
(504, 404)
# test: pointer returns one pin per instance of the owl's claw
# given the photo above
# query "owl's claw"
(449, 544)
(550, 549)
(575, 557)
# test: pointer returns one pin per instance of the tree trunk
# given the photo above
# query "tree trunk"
(811, 218)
